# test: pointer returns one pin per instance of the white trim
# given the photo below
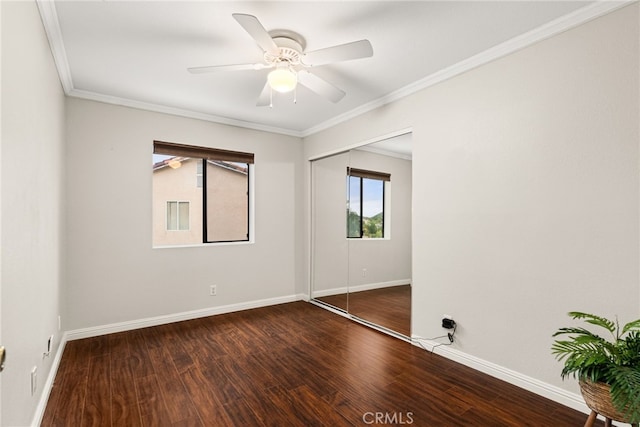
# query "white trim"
(49, 16)
(52, 28)
(373, 140)
(385, 153)
(46, 391)
(564, 397)
(379, 285)
(147, 106)
(330, 292)
(360, 288)
(550, 29)
(111, 328)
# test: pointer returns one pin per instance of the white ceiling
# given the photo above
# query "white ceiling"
(136, 52)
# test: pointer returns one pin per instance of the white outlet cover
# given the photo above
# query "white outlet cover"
(34, 380)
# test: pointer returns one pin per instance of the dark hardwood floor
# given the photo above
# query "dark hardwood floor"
(286, 365)
(388, 307)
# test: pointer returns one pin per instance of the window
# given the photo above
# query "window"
(365, 203)
(199, 175)
(177, 215)
(200, 194)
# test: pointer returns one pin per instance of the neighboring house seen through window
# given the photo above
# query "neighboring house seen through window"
(365, 203)
(200, 194)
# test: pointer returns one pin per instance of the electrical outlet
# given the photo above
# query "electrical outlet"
(49, 344)
(448, 323)
(213, 291)
(364, 272)
(34, 380)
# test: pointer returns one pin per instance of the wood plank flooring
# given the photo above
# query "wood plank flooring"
(389, 307)
(286, 365)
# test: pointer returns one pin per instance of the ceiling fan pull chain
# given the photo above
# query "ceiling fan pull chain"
(295, 94)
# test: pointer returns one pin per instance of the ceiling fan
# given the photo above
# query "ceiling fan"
(284, 54)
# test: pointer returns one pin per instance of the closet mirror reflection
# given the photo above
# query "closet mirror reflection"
(361, 232)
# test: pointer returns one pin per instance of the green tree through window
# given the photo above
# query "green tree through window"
(365, 204)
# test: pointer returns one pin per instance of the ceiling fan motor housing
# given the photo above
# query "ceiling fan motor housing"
(290, 44)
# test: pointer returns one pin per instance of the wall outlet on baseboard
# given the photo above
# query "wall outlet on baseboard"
(213, 290)
(49, 345)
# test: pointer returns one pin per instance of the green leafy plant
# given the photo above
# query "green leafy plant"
(614, 360)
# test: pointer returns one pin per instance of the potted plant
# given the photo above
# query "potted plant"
(608, 368)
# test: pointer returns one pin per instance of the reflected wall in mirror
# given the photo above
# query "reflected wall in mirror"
(330, 262)
(374, 263)
(380, 268)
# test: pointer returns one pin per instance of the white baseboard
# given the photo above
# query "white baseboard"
(564, 397)
(359, 288)
(95, 331)
(379, 285)
(329, 292)
(48, 385)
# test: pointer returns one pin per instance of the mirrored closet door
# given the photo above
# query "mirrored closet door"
(330, 248)
(361, 233)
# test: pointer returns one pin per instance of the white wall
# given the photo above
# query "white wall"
(114, 274)
(32, 202)
(525, 203)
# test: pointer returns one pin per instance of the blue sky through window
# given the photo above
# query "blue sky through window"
(371, 193)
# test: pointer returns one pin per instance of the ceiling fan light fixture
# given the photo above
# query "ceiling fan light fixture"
(282, 79)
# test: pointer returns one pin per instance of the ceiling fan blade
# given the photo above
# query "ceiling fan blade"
(343, 52)
(264, 100)
(255, 29)
(234, 67)
(320, 86)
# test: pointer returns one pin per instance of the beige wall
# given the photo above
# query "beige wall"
(176, 185)
(525, 205)
(114, 273)
(32, 231)
(525, 195)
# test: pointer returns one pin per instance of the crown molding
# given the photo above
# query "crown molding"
(126, 102)
(522, 41)
(383, 152)
(52, 28)
(51, 25)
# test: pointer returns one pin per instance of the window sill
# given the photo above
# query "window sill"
(204, 245)
(368, 239)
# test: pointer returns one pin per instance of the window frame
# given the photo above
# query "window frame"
(363, 174)
(203, 155)
(205, 222)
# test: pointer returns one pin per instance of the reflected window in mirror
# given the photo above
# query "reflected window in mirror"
(365, 203)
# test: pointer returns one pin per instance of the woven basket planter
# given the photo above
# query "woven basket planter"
(598, 398)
